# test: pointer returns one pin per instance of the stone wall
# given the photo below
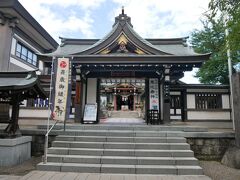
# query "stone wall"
(204, 148)
(210, 148)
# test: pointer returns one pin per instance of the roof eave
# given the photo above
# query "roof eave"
(34, 84)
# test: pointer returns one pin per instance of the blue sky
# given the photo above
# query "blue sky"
(94, 18)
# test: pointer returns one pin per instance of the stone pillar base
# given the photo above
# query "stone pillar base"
(15, 151)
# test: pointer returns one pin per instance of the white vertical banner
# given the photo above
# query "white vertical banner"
(153, 94)
(61, 89)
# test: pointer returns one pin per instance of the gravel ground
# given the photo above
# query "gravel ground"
(213, 169)
(217, 171)
(22, 169)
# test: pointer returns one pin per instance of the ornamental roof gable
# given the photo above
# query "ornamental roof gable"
(122, 40)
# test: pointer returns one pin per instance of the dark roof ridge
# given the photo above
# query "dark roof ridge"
(154, 41)
(161, 41)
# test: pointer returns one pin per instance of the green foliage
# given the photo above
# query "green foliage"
(231, 8)
(212, 40)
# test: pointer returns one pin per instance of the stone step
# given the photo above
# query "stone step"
(120, 152)
(124, 145)
(122, 133)
(124, 114)
(121, 169)
(128, 160)
(122, 139)
(128, 127)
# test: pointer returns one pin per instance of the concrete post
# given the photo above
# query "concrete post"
(5, 45)
(236, 105)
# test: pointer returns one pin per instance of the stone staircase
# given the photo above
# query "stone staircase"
(124, 114)
(122, 149)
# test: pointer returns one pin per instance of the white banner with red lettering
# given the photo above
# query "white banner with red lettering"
(61, 90)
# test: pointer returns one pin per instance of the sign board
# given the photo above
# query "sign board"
(61, 89)
(154, 94)
(90, 113)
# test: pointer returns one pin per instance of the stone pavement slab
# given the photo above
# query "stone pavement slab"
(51, 175)
(8, 177)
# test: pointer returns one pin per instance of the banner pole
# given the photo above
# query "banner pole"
(49, 110)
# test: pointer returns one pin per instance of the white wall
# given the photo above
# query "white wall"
(40, 66)
(91, 90)
(13, 46)
(218, 114)
(225, 101)
(208, 115)
(191, 101)
(33, 113)
(176, 117)
(20, 64)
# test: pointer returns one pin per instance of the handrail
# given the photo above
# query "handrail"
(49, 109)
(46, 143)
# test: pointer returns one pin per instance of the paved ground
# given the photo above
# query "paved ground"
(212, 126)
(123, 121)
(213, 169)
(51, 175)
(21, 170)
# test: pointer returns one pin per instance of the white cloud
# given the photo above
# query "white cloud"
(189, 77)
(85, 4)
(150, 18)
(165, 19)
(55, 24)
(161, 18)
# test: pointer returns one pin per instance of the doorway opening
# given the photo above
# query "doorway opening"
(122, 100)
(125, 102)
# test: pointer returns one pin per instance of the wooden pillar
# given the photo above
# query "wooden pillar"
(134, 102)
(115, 102)
(78, 100)
(13, 127)
(146, 97)
(4, 112)
(236, 106)
(184, 105)
(98, 100)
(166, 96)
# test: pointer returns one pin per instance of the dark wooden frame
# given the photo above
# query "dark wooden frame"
(206, 98)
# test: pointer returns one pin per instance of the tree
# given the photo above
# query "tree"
(230, 8)
(212, 40)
